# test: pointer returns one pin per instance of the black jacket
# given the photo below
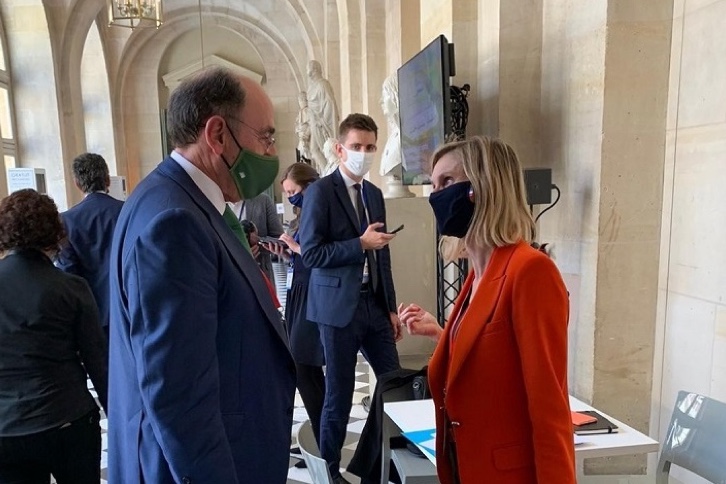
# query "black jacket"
(49, 332)
(366, 461)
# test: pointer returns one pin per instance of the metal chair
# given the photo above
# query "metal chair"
(696, 439)
(317, 467)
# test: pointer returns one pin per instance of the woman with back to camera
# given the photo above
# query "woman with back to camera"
(304, 336)
(51, 336)
(498, 375)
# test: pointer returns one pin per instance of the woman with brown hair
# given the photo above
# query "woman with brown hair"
(305, 345)
(498, 375)
(51, 336)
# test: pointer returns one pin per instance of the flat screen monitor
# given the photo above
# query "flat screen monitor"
(424, 109)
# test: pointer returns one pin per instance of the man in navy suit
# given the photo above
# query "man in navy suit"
(202, 381)
(90, 226)
(351, 295)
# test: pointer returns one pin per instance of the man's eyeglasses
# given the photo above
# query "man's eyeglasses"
(267, 139)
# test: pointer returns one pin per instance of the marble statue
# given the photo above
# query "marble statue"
(302, 127)
(391, 158)
(331, 156)
(323, 110)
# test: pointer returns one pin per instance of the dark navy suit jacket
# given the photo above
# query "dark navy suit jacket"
(330, 238)
(201, 377)
(90, 226)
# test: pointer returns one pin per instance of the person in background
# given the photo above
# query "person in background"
(202, 379)
(498, 375)
(51, 337)
(351, 294)
(90, 225)
(304, 335)
(261, 211)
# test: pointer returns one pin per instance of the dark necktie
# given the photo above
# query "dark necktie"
(363, 219)
(234, 224)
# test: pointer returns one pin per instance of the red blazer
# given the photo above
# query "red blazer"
(503, 379)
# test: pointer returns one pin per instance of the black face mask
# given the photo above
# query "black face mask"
(453, 209)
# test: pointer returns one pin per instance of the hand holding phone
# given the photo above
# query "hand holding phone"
(396, 230)
(273, 240)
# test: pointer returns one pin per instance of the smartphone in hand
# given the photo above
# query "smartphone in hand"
(396, 230)
(272, 240)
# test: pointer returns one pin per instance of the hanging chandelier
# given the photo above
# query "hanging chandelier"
(135, 13)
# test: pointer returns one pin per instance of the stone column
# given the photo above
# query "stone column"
(520, 77)
(604, 71)
(637, 56)
(374, 73)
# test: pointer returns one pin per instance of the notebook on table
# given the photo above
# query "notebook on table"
(600, 426)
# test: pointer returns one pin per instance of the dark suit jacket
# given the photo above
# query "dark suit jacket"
(504, 375)
(47, 319)
(90, 226)
(330, 238)
(202, 380)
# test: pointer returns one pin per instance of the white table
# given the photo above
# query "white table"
(416, 415)
(625, 441)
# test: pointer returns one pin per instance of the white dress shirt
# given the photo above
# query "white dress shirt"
(205, 184)
(349, 184)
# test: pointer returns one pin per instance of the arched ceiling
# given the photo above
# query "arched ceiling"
(224, 43)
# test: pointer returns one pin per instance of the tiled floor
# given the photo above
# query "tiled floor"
(294, 475)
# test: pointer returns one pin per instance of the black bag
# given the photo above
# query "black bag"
(421, 388)
(420, 392)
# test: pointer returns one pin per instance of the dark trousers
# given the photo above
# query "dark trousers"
(370, 331)
(71, 454)
(311, 385)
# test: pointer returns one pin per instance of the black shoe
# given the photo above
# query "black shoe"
(295, 453)
(301, 464)
(366, 402)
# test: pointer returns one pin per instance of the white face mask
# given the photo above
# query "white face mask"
(358, 162)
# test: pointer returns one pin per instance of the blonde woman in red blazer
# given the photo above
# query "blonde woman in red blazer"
(499, 372)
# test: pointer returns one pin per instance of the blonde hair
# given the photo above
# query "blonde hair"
(501, 216)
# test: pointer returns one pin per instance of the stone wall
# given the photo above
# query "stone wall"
(692, 285)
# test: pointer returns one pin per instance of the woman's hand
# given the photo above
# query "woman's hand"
(419, 322)
(291, 244)
(277, 249)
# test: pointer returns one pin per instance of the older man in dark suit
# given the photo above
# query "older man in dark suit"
(351, 294)
(90, 225)
(202, 379)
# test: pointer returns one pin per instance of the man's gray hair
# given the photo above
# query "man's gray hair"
(214, 91)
